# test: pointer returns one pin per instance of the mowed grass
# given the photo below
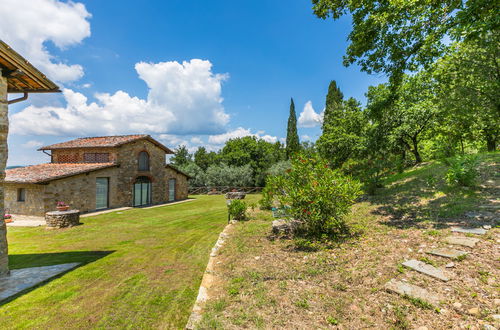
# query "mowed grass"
(141, 268)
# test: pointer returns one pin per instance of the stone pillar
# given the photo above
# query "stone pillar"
(4, 130)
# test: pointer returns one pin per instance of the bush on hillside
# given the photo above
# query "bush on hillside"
(462, 170)
(315, 194)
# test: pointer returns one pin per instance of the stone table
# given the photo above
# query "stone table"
(62, 219)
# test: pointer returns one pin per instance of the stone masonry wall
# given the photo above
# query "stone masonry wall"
(4, 130)
(181, 183)
(79, 191)
(33, 204)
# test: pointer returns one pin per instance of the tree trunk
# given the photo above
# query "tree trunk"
(4, 129)
(491, 142)
(418, 159)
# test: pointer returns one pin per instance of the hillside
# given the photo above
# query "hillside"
(261, 282)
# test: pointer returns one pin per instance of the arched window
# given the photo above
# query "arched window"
(143, 161)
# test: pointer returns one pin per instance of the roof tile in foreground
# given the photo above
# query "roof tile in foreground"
(47, 172)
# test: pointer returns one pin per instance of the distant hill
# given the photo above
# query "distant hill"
(11, 167)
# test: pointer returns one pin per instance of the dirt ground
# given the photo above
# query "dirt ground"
(267, 283)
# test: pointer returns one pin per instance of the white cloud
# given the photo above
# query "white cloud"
(308, 117)
(28, 25)
(238, 133)
(305, 138)
(183, 99)
(32, 144)
(196, 140)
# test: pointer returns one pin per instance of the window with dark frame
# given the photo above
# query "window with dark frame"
(143, 161)
(93, 157)
(21, 194)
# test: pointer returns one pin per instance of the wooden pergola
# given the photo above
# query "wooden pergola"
(17, 75)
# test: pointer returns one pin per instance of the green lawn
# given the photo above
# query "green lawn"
(141, 268)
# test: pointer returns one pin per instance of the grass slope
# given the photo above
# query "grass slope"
(141, 268)
(267, 283)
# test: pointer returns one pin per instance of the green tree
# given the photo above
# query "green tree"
(292, 137)
(333, 105)
(233, 176)
(392, 37)
(343, 135)
(204, 159)
(181, 157)
(469, 85)
(407, 119)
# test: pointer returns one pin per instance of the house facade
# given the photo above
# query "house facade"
(96, 173)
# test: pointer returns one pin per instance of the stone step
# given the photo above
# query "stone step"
(463, 241)
(477, 231)
(447, 253)
(426, 269)
(413, 291)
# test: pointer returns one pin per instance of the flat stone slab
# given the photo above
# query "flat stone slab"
(477, 231)
(448, 253)
(464, 241)
(426, 269)
(413, 291)
(25, 278)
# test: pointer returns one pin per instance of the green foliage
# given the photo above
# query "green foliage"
(204, 159)
(462, 170)
(233, 176)
(292, 137)
(392, 37)
(304, 244)
(333, 105)
(181, 157)
(237, 209)
(196, 173)
(279, 168)
(315, 194)
(331, 320)
(343, 132)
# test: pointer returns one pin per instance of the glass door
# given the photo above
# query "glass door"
(102, 193)
(142, 191)
(171, 190)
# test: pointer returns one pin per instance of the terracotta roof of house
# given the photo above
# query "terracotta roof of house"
(48, 172)
(104, 142)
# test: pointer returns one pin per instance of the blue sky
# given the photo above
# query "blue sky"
(255, 56)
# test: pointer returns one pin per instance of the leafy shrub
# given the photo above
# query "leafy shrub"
(237, 209)
(315, 194)
(462, 170)
(224, 175)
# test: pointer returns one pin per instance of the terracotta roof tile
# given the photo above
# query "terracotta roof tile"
(47, 172)
(98, 141)
(105, 142)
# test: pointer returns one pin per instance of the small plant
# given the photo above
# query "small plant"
(432, 232)
(461, 257)
(61, 204)
(302, 304)
(331, 320)
(462, 171)
(401, 322)
(237, 209)
(431, 181)
(421, 303)
(401, 268)
(428, 261)
(303, 244)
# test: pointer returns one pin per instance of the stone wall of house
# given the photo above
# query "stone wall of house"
(79, 191)
(34, 199)
(128, 158)
(181, 183)
(4, 130)
(76, 155)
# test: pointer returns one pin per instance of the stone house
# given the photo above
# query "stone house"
(96, 173)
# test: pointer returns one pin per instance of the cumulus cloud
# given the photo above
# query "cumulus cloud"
(308, 117)
(238, 133)
(184, 98)
(28, 25)
(32, 144)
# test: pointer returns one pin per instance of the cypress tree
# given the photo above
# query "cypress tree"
(333, 106)
(292, 137)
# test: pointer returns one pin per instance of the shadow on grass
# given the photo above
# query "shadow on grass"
(22, 261)
(17, 261)
(412, 203)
